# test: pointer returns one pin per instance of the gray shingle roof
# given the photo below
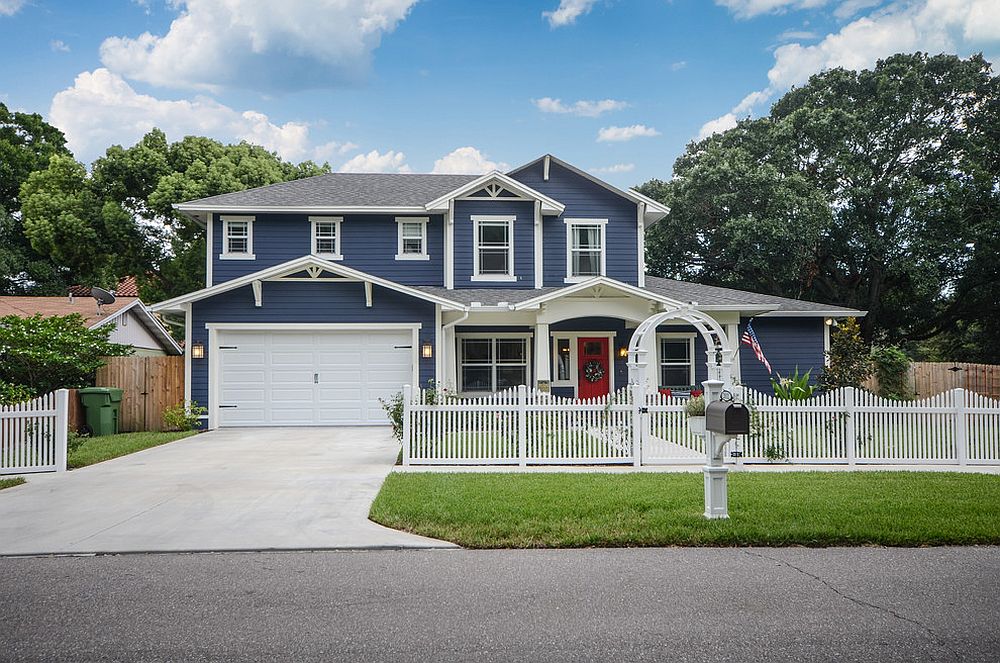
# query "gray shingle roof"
(704, 295)
(342, 190)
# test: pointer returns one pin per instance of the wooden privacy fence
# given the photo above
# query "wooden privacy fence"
(847, 426)
(33, 434)
(150, 385)
(931, 378)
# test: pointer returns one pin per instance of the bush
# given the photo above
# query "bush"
(892, 368)
(75, 440)
(11, 394)
(850, 362)
(183, 416)
(695, 407)
(795, 388)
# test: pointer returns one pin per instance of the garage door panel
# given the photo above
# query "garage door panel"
(269, 377)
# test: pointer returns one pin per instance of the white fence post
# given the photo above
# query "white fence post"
(961, 426)
(61, 428)
(522, 425)
(638, 405)
(851, 425)
(407, 414)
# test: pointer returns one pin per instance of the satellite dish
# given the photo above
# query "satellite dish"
(102, 296)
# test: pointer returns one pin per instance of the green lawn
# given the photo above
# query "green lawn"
(106, 447)
(766, 509)
(10, 482)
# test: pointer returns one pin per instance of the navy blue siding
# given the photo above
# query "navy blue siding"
(369, 243)
(787, 343)
(524, 241)
(585, 199)
(299, 302)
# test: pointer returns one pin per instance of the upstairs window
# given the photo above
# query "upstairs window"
(237, 238)
(585, 244)
(493, 253)
(326, 236)
(412, 238)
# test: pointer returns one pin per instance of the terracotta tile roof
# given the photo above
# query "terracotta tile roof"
(25, 307)
(127, 287)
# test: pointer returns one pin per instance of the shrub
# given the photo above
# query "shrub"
(183, 416)
(393, 407)
(695, 407)
(795, 388)
(850, 361)
(75, 440)
(892, 368)
(11, 394)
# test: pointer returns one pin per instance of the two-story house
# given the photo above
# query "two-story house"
(325, 294)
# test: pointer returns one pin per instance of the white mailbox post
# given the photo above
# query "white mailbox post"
(715, 471)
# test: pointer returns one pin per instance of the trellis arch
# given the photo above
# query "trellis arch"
(706, 325)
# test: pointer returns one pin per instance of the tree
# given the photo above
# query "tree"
(849, 361)
(58, 352)
(875, 189)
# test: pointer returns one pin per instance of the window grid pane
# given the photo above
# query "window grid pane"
(585, 250)
(493, 364)
(411, 237)
(325, 236)
(237, 237)
(675, 362)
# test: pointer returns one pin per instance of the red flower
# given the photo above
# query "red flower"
(695, 393)
(665, 391)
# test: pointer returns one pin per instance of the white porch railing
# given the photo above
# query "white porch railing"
(33, 434)
(521, 427)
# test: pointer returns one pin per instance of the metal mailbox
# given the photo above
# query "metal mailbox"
(727, 418)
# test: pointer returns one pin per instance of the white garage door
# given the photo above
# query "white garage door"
(286, 378)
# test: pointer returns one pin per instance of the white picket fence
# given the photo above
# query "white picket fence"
(522, 426)
(33, 434)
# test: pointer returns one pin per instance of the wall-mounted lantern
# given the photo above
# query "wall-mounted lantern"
(623, 352)
(427, 350)
(197, 350)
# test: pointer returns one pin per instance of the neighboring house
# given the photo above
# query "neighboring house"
(325, 294)
(132, 322)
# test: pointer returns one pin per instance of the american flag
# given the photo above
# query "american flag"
(750, 338)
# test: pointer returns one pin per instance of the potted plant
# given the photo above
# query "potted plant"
(695, 410)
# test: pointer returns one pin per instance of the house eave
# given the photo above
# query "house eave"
(838, 313)
(149, 321)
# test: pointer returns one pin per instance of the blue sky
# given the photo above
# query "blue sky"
(618, 87)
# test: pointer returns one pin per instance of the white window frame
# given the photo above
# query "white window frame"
(675, 336)
(245, 255)
(574, 354)
(602, 224)
(423, 221)
(477, 220)
(313, 223)
(525, 336)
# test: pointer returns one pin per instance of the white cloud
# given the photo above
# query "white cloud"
(583, 107)
(617, 168)
(10, 7)
(59, 45)
(751, 8)
(791, 35)
(849, 8)
(293, 44)
(567, 12)
(677, 66)
(375, 162)
(717, 126)
(467, 161)
(101, 109)
(621, 134)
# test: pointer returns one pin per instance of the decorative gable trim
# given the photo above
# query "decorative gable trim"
(497, 182)
(599, 282)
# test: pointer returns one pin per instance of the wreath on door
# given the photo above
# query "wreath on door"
(593, 371)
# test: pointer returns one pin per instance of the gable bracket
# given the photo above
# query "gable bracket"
(368, 294)
(258, 293)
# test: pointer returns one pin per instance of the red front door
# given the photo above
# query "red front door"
(593, 372)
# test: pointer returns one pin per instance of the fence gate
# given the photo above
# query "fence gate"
(666, 439)
(150, 386)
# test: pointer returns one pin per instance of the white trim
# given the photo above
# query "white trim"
(208, 252)
(640, 234)
(733, 332)
(297, 265)
(574, 353)
(525, 336)
(477, 220)
(840, 313)
(226, 254)
(423, 221)
(534, 302)
(337, 222)
(147, 320)
(826, 343)
(438, 346)
(549, 205)
(689, 336)
(299, 209)
(449, 247)
(188, 314)
(309, 326)
(545, 168)
(213, 378)
(602, 224)
(539, 255)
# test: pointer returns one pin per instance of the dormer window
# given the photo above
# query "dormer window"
(237, 238)
(493, 253)
(412, 238)
(585, 249)
(326, 237)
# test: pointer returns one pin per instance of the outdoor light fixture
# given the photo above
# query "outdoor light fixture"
(829, 322)
(197, 350)
(427, 350)
(623, 351)
(718, 353)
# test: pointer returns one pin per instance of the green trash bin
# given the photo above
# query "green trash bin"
(101, 405)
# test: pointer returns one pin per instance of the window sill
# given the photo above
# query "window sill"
(237, 256)
(412, 256)
(496, 278)
(329, 256)
(581, 279)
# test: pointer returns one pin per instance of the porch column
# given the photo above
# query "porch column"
(543, 364)
(653, 363)
(733, 332)
(450, 359)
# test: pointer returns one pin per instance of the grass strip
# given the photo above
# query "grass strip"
(10, 482)
(766, 509)
(97, 449)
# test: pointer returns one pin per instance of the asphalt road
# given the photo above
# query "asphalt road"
(860, 604)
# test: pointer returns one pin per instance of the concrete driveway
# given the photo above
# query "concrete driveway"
(234, 489)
